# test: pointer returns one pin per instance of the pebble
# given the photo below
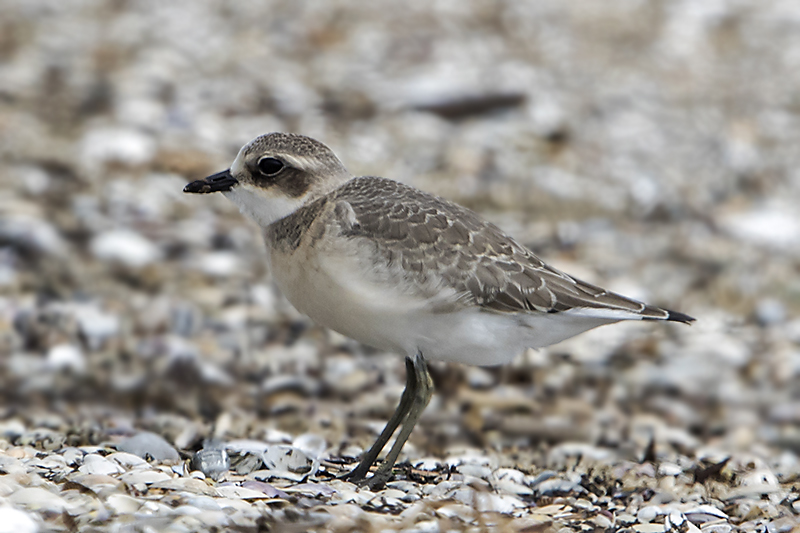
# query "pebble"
(123, 504)
(117, 145)
(240, 493)
(96, 325)
(11, 429)
(512, 487)
(125, 247)
(669, 469)
(704, 513)
(649, 513)
(38, 499)
(288, 462)
(16, 521)
(269, 490)
(28, 232)
(602, 521)
(428, 464)
(649, 528)
(221, 264)
(213, 461)
(310, 444)
(128, 460)
(72, 456)
(98, 465)
(776, 226)
(558, 486)
(66, 357)
(143, 477)
(149, 445)
(96, 483)
(482, 472)
(719, 526)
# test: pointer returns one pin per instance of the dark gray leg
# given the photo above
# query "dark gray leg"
(419, 401)
(360, 472)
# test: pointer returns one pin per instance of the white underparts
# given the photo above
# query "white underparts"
(262, 205)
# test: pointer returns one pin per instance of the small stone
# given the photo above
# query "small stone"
(99, 465)
(479, 378)
(288, 462)
(213, 461)
(510, 474)
(185, 484)
(127, 460)
(465, 513)
(558, 486)
(126, 247)
(122, 504)
(66, 357)
(210, 519)
(482, 472)
(16, 521)
(669, 469)
(311, 445)
(11, 429)
(719, 526)
(649, 528)
(204, 502)
(675, 520)
(240, 493)
(602, 521)
(704, 513)
(770, 311)
(426, 526)
(428, 464)
(144, 477)
(96, 325)
(266, 488)
(649, 513)
(118, 145)
(218, 264)
(72, 456)
(512, 487)
(96, 483)
(38, 499)
(149, 446)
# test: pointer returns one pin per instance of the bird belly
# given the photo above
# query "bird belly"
(335, 292)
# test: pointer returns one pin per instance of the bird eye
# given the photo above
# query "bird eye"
(269, 165)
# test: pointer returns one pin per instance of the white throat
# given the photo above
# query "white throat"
(261, 206)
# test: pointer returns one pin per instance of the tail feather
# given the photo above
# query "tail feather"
(672, 316)
(675, 316)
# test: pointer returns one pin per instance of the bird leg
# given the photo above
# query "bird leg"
(417, 394)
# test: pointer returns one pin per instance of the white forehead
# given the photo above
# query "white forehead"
(238, 164)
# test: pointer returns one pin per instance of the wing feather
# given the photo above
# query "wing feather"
(440, 245)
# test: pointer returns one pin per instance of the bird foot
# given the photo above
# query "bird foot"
(376, 481)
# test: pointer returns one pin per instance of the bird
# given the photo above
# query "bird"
(405, 271)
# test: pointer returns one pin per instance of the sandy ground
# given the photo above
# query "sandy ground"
(152, 379)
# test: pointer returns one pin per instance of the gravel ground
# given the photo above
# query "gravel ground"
(152, 379)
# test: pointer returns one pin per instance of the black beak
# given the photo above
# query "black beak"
(221, 181)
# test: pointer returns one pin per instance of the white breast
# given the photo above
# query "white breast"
(328, 289)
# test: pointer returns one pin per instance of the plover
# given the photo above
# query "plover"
(401, 270)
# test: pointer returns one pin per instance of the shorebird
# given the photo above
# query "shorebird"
(402, 270)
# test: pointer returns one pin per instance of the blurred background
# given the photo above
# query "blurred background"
(647, 146)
